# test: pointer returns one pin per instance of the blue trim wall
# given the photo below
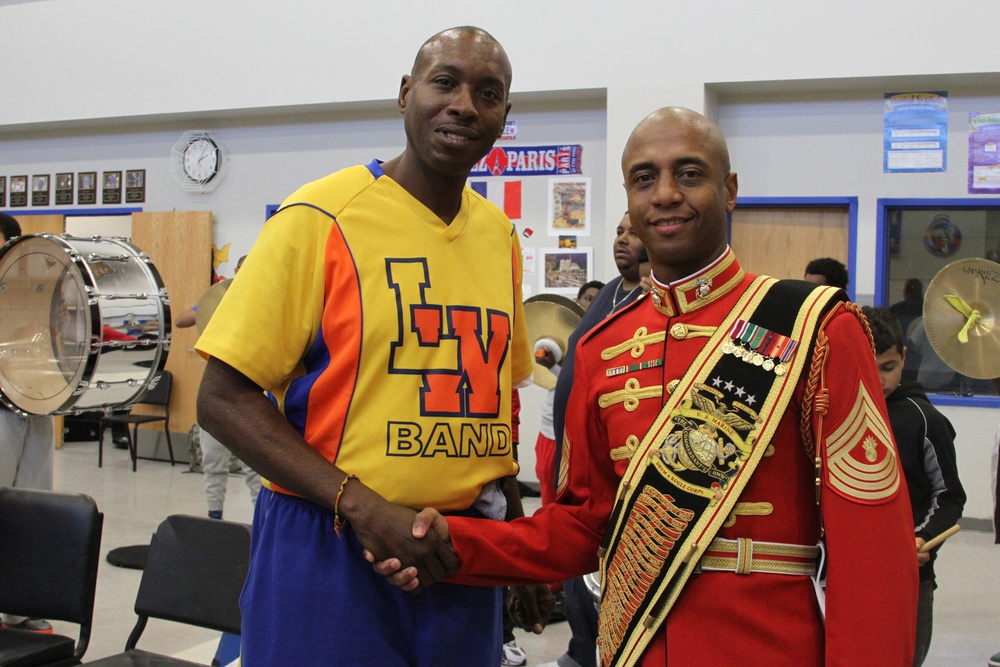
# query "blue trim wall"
(72, 212)
(817, 202)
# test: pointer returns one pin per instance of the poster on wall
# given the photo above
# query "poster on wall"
(509, 131)
(565, 271)
(3, 191)
(942, 236)
(64, 189)
(984, 157)
(915, 132)
(111, 187)
(135, 186)
(569, 206)
(530, 161)
(86, 192)
(40, 190)
(528, 267)
(18, 191)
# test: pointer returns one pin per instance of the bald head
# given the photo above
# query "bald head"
(693, 121)
(680, 190)
(468, 36)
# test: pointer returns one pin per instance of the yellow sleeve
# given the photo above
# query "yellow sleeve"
(270, 316)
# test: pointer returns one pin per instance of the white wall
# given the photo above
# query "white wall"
(66, 59)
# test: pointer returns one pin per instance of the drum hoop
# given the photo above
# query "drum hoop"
(86, 369)
(93, 312)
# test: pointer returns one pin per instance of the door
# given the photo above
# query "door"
(780, 240)
(180, 246)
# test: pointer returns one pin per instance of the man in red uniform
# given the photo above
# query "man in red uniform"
(691, 377)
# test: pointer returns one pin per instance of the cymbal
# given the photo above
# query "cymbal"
(976, 284)
(552, 317)
(208, 302)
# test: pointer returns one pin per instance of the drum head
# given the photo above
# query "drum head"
(46, 324)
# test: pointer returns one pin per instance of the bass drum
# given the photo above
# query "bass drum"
(84, 324)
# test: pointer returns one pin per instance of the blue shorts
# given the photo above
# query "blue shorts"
(312, 599)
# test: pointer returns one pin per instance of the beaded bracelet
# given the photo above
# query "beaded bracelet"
(339, 521)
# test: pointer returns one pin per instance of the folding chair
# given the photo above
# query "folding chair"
(50, 547)
(194, 575)
(158, 394)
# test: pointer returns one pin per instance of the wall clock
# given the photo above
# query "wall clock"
(197, 161)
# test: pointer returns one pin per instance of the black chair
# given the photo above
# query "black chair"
(50, 547)
(194, 575)
(157, 394)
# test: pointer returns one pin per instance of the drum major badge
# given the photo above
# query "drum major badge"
(712, 437)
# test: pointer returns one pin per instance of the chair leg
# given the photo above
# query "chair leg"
(170, 445)
(100, 446)
(133, 446)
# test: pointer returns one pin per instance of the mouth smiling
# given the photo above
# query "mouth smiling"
(457, 135)
(667, 225)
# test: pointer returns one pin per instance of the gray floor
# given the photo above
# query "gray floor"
(967, 614)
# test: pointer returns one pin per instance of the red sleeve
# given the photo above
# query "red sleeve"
(872, 580)
(560, 540)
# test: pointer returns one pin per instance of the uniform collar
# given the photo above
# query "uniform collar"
(699, 289)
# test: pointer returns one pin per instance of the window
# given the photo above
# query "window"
(918, 238)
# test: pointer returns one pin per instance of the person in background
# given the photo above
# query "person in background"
(912, 305)
(26, 451)
(381, 307)
(926, 443)
(214, 455)
(585, 295)
(827, 271)
(549, 355)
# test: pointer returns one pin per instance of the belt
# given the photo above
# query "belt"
(744, 556)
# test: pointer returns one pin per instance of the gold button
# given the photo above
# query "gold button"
(672, 385)
(679, 331)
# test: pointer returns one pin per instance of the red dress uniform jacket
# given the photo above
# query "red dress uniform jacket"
(724, 618)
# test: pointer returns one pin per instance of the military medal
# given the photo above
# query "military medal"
(759, 346)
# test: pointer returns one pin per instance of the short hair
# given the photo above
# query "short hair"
(9, 226)
(914, 289)
(596, 284)
(469, 30)
(886, 330)
(834, 271)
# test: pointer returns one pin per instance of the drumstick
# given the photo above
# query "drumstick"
(933, 542)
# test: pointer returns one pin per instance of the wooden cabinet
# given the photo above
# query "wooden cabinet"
(180, 246)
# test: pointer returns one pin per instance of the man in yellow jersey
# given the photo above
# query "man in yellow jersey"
(381, 307)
